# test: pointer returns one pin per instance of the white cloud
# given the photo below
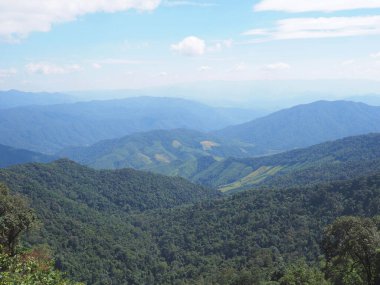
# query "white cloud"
(96, 66)
(376, 55)
(19, 18)
(4, 73)
(220, 45)
(51, 69)
(277, 66)
(297, 6)
(323, 27)
(205, 68)
(175, 3)
(190, 46)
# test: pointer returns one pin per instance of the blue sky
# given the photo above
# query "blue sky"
(60, 45)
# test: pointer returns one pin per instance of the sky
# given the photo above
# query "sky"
(55, 45)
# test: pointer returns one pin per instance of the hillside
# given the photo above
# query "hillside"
(305, 125)
(174, 152)
(103, 233)
(336, 160)
(10, 156)
(85, 215)
(48, 129)
(253, 235)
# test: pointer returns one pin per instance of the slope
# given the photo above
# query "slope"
(10, 156)
(342, 159)
(305, 125)
(85, 216)
(173, 152)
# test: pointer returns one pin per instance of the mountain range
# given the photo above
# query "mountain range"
(48, 129)
(193, 154)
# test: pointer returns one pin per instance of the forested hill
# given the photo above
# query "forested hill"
(10, 156)
(172, 152)
(250, 236)
(336, 160)
(85, 216)
(306, 125)
(104, 190)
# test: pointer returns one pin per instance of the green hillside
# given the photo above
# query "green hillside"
(337, 160)
(84, 215)
(121, 227)
(173, 152)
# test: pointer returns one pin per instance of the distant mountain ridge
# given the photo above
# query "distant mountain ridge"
(48, 129)
(305, 125)
(10, 156)
(16, 98)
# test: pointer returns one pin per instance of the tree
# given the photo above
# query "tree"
(301, 273)
(351, 247)
(15, 218)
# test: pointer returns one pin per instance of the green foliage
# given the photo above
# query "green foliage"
(301, 273)
(352, 249)
(118, 227)
(15, 218)
(86, 217)
(33, 267)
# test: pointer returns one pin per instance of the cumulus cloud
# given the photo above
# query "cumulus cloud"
(51, 69)
(21, 17)
(323, 27)
(4, 73)
(297, 6)
(376, 55)
(190, 46)
(277, 66)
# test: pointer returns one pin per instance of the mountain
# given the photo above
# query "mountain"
(85, 216)
(10, 156)
(48, 129)
(305, 125)
(15, 98)
(337, 160)
(122, 227)
(173, 152)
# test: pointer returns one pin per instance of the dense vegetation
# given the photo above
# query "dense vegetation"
(17, 265)
(337, 160)
(305, 125)
(85, 216)
(10, 156)
(102, 232)
(48, 129)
